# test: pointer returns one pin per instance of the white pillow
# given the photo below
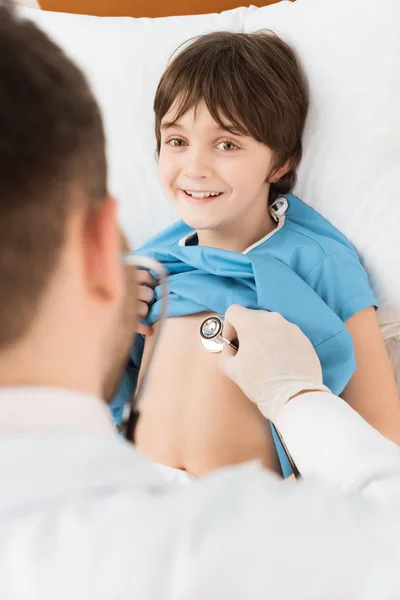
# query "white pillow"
(350, 172)
(350, 50)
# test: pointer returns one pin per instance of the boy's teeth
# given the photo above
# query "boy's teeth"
(200, 195)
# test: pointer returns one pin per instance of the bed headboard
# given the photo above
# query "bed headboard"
(145, 8)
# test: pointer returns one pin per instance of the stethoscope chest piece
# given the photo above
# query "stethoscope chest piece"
(210, 331)
(211, 337)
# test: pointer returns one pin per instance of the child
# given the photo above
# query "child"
(230, 111)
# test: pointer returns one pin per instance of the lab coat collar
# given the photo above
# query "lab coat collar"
(46, 410)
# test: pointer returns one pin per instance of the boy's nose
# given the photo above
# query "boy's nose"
(197, 167)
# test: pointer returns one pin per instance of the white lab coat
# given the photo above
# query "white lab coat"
(83, 516)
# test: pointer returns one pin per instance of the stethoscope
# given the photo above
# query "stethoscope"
(144, 262)
(211, 335)
(211, 338)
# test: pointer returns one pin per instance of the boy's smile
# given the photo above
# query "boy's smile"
(195, 197)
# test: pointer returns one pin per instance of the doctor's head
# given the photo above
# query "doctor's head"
(67, 305)
(229, 115)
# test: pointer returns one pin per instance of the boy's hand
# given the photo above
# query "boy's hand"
(146, 284)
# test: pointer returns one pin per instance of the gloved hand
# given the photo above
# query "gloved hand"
(146, 284)
(275, 360)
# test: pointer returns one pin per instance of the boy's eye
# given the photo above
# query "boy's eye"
(227, 146)
(176, 142)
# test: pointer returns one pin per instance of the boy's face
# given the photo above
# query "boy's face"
(216, 179)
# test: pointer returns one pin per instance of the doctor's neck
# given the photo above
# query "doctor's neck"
(57, 351)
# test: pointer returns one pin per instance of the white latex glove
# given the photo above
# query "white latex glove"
(275, 360)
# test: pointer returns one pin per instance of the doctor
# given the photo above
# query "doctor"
(82, 515)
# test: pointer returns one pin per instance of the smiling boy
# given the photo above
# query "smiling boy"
(230, 111)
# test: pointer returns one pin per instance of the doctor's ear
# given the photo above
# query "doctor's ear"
(102, 250)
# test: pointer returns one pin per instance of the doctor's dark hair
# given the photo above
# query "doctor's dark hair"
(252, 81)
(52, 159)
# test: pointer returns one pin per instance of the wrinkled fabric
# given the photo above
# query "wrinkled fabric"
(306, 270)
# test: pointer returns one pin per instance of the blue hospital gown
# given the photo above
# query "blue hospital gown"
(306, 270)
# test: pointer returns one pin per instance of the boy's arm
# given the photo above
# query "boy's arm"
(342, 283)
(372, 389)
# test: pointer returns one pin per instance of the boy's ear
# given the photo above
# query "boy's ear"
(102, 250)
(276, 174)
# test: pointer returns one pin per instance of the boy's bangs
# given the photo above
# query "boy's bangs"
(222, 106)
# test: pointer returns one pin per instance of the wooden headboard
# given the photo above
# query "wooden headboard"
(145, 8)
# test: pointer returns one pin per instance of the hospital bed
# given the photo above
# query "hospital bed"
(350, 51)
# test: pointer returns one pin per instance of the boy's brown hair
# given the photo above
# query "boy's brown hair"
(52, 158)
(251, 80)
